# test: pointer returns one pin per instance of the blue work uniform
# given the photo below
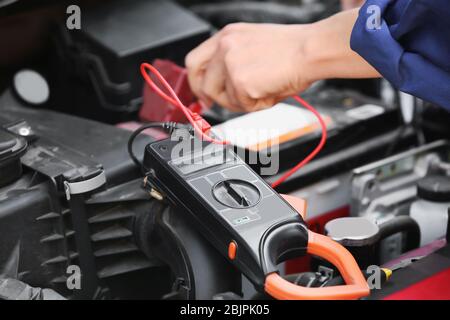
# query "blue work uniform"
(408, 42)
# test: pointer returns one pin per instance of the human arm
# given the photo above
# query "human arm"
(247, 67)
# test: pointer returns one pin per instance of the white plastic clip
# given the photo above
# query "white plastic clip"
(84, 186)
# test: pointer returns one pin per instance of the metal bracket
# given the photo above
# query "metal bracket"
(84, 186)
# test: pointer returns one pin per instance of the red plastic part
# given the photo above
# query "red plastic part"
(167, 93)
(436, 287)
(155, 108)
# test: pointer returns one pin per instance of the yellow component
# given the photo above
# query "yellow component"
(156, 194)
(388, 273)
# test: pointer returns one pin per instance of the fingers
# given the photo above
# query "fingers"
(196, 63)
(217, 85)
(228, 69)
(208, 76)
(234, 104)
(213, 80)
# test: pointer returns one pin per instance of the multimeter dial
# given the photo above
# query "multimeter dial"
(236, 193)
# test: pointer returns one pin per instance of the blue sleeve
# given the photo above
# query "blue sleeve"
(409, 45)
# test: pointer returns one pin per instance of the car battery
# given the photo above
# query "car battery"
(360, 129)
(115, 37)
(351, 118)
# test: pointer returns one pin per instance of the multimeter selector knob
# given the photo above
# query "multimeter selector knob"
(235, 193)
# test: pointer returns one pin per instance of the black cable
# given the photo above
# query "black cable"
(338, 281)
(402, 224)
(167, 126)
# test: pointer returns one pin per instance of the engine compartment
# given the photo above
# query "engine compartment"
(128, 244)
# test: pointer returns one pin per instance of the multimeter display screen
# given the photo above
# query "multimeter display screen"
(200, 161)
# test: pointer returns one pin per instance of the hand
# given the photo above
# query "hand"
(350, 4)
(247, 67)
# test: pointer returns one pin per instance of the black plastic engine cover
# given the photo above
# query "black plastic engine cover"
(111, 232)
(11, 149)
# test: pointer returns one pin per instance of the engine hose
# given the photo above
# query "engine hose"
(402, 224)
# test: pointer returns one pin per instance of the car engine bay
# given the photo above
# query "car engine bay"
(73, 202)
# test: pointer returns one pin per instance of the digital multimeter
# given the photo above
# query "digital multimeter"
(239, 213)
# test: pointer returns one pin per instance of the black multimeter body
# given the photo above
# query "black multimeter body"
(228, 201)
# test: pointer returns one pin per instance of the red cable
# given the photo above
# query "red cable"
(319, 147)
(201, 127)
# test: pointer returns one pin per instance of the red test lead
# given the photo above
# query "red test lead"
(202, 127)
